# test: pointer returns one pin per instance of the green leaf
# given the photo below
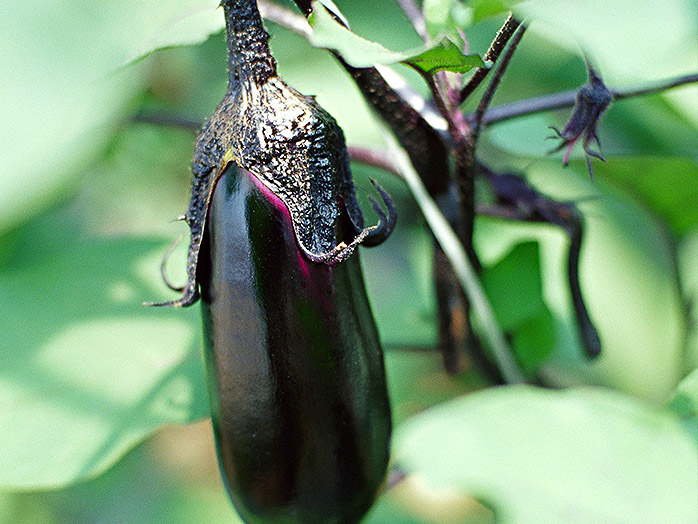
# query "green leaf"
(444, 56)
(437, 15)
(534, 341)
(483, 9)
(359, 52)
(514, 287)
(540, 456)
(685, 402)
(86, 371)
(190, 23)
(650, 32)
(65, 88)
(668, 186)
(688, 275)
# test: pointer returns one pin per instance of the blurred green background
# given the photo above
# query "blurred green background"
(95, 389)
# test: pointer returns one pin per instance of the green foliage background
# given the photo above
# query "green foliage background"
(94, 387)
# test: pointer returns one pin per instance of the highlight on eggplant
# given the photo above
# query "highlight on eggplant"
(294, 363)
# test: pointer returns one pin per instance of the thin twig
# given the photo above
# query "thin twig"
(494, 84)
(566, 99)
(415, 16)
(496, 47)
(374, 158)
(284, 17)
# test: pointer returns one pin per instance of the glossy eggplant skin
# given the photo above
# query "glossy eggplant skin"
(295, 368)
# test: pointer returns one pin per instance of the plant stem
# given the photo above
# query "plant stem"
(462, 267)
(566, 99)
(374, 158)
(248, 47)
(494, 84)
(284, 17)
(496, 47)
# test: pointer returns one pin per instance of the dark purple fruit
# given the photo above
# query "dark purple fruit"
(295, 367)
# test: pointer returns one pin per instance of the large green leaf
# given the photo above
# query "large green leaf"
(86, 371)
(668, 186)
(359, 52)
(65, 88)
(171, 478)
(650, 33)
(540, 456)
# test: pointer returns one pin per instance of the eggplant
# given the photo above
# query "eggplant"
(297, 387)
(295, 368)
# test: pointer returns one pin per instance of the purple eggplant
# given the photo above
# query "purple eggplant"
(295, 368)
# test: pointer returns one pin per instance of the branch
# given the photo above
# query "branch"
(284, 17)
(496, 47)
(494, 84)
(566, 99)
(374, 158)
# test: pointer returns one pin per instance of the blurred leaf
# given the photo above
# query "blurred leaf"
(688, 274)
(66, 89)
(513, 286)
(417, 381)
(685, 402)
(668, 186)
(447, 18)
(534, 340)
(56, 111)
(140, 489)
(386, 511)
(359, 52)
(187, 22)
(404, 305)
(437, 15)
(651, 32)
(540, 456)
(483, 9)
(413, 501)
(86, 371)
